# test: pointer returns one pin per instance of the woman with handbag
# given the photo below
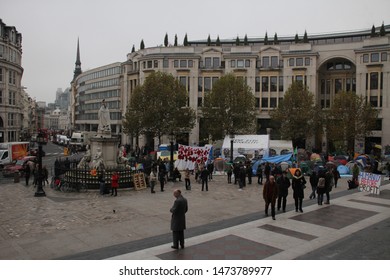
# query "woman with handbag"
(298, 186)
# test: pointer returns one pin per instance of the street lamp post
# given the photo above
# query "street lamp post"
(40, 140)
(231, 146)
(171, 140)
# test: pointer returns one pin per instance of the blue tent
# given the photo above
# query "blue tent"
(273, 159)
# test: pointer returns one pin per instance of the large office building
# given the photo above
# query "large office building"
(327, 64)
(11, 92)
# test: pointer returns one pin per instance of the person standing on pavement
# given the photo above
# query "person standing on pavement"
(27, 173)
(114, 184)
(204, 176)
(313, 183)
(298, 186)
(259, 173)
(336, 176)
(162, 170)
(283, 184)
(229, 172)
(270, 194)
(102, 183)
(187, 176)
(153, 180)
(178, 220)
(328, 185)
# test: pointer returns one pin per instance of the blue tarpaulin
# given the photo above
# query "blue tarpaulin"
(273, 159)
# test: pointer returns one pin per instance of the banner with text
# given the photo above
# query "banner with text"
(369, 182)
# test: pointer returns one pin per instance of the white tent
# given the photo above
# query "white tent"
(248, 145)
(280, 145)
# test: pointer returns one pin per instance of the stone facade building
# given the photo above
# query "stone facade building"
(327, 64)
(11, 95)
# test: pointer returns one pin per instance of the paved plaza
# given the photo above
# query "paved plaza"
(223, 223)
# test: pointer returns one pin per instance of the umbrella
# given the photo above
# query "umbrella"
(342, 169)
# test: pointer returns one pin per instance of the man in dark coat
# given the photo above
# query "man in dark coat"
(270, 194)
(178, 221)
(283, 184)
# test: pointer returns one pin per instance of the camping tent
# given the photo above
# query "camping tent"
(249, 145)
(275, 159)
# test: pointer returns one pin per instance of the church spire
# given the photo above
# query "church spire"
(77, 70)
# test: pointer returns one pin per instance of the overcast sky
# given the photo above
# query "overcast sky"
(108, 29)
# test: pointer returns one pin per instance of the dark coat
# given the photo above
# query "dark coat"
(283, 184)
(298, 184)
(270, 192)
(179, 210)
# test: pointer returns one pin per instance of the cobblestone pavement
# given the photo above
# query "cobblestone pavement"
(61, 225)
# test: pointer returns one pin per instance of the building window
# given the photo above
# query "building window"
(307, 61)
(365, 58)
(265, 61)
(383, 56)
(291, 62)
(240, 63)
(264, 84)
(1, 74)
(274, 83)
(216, 62)
(150, 64)
(183, 63)
(200, 84)
(190, 63)
(165, 63)
(156, 64)
(299, 61)
(12, 98)
(176, 63)
(257, 102)
(11, 120)
(338, 85)
(207, 62)
(207, 84)
(247, 63)
(273, 102)
(264, 102)
(12, 78)
(1, 97)
(257, 84)
(232, 63)
(274, 61)
(281, 88)
(374, 80)
(375, 57)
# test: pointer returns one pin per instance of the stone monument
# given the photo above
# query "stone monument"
(104, 146)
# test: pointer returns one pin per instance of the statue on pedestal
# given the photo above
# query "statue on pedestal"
(104, 119)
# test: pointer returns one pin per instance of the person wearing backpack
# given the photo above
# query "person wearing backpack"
(320, 189)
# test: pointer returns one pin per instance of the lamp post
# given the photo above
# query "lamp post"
(40, 140)
(231, 146)
(171, 140)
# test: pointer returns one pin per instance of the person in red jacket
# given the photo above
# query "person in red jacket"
(114, 183)
(270, 194)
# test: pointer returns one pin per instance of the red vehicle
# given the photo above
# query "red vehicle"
(10, 170)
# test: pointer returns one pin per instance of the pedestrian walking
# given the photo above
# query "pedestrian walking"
(153, 180)
(114, 183)
(241, 177)
(27, 173)
(162, 170)
(204, 176)
(210, 168)
(187, 176)
(320, 189)
(229, 172)
(270, 194)
(298, 186)
(178, 220)
(102, 183)
(336, 176)
(313, 182)
(45, 175)
(328, 185)
(249, 172)
(283, 185)
(259, 173)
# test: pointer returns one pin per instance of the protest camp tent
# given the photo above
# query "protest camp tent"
(251, 146)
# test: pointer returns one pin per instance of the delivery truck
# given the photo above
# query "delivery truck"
(80, 140)
(12, 151)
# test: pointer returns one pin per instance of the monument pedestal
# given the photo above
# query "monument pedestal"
(108, 146)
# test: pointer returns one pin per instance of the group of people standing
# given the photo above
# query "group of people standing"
(276, 187)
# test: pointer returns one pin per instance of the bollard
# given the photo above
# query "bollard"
(16, 177)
